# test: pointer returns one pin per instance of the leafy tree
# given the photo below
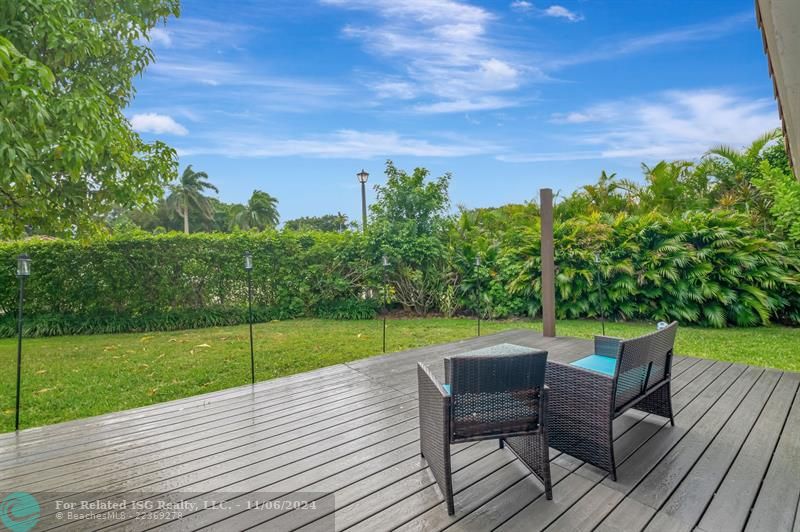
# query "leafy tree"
(69, 155)
(187, 194)
(607, 195)
(329, 223)
(783, 193)
(260, 212)
(734, 172)
(408, 221)
(666, 189)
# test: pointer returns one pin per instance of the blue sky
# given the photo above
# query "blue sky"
(295, 97)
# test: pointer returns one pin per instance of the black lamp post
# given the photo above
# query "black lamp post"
(248, 265)
(478, 286)
(23, 271)
(385, 298)
(600, 287)
(362, 178)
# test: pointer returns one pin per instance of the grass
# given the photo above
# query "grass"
(72, 377)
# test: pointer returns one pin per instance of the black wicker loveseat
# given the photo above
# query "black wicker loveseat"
(588, 394)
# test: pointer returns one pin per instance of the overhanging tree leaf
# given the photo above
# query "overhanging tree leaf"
(69, 154)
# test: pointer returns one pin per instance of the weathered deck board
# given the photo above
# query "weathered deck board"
(732, 462)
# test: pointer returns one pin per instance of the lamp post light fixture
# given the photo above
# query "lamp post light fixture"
(600, 288)
(362, 178)
(478, 287)
(248, 266)
(385, 298)
(23, 272)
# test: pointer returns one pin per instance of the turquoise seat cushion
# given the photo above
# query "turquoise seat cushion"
(598, 363)
(446, 388)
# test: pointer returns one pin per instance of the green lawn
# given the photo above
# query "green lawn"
(77, 376)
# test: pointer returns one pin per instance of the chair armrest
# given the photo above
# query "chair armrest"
(580, 413)
(578, 400)
(607, 346)
(434, 429)
(581, 382)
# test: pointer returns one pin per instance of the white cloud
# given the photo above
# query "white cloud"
(395, 89)
(157, 123)
(432, 11)
(668, 125)
(197, 33)
(243, 82)
(448, 60)
(694, 33)
(160, 36)
(546, 157)
(499, 73)
(344, 143)
(594, 113)
(562, 12)
(522, 6)
(461, 106)
(555, 11)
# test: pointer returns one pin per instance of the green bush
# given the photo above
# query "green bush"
(173, 320)
(348, 309)
(174, 281)
(708, 268)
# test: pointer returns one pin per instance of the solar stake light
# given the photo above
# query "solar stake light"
(248, 266)
(23, 272)
(386, 264)
(23, 266)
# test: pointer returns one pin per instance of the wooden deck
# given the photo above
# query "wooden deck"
(732, 462)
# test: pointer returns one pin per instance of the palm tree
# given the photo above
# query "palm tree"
(736, 168)
(187, 194)
(260, 212)
(665, 190)
(605, 195)
(341, 221)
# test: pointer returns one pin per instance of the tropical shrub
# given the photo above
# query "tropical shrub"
(705, 268)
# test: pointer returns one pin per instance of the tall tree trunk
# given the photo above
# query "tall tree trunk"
(186, 218)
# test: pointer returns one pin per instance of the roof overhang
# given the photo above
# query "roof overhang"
(779, 21)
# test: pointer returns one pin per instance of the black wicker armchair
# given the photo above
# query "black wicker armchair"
(493, 393)
(588, 394)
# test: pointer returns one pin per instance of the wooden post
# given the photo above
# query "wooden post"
(548, 263)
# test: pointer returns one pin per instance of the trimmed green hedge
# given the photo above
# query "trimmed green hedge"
(705, 268)
(175, 281)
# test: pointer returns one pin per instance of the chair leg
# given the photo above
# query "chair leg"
(612, 459)
(451, 507)
(502, 444)
(545, 466)
(658, 403)
(534, 452)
